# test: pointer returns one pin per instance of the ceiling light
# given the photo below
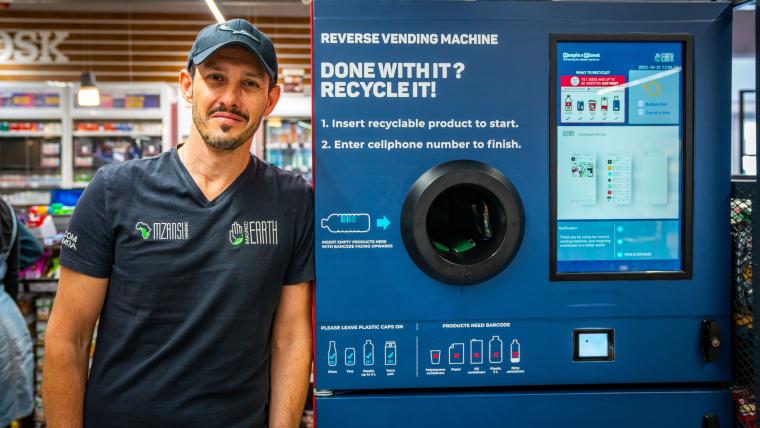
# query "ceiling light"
(88, 95)
(215, 11)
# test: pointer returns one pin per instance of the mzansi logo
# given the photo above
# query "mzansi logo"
(144, 230)
(236, 234)
(164, 231)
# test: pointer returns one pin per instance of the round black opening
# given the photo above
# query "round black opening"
(466, 224)
(462, 222)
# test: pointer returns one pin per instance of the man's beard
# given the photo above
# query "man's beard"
(224, 142)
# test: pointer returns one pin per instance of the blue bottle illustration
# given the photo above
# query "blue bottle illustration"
(369, 353)
(346, 223)
(332, 355)
(615, 103)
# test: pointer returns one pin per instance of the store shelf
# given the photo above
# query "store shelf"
(35, 186)
(30, 134)
(32, 186)
(117, 113)
(30, 114)
(106, 134)
(41, 285)
(282, 146)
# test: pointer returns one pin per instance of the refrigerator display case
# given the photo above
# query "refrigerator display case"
(287, 144)
(131, 122)
(31, 135)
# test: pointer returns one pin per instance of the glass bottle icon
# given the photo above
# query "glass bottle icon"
(604, 104)
(369, 353)
(332, 354)
(568, 103)
(495, 350)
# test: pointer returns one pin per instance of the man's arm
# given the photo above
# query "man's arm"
(291, 356)
(67, 347)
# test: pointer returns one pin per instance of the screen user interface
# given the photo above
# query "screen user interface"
(618, 156)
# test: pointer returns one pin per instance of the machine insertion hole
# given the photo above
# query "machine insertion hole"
(466, 224)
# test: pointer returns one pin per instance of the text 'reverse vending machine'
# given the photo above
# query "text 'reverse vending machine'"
(521, 213)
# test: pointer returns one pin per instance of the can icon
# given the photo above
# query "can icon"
(495, 350)
(369, 353)
(390, 353)
(350, 355)
(514, 351)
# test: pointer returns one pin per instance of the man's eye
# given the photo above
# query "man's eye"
(250, 84)
(215, 77)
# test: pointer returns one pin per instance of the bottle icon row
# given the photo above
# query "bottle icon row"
(592, 104)
(368, 354)
(495, 352)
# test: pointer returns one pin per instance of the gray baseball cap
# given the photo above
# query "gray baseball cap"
(234, 32)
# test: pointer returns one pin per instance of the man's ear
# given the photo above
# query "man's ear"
(186, 85)
(274, 96)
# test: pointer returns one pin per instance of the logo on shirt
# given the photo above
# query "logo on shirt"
(256, 232)
(236, 234)
(164, 231)
(144, 230)
(69, 240)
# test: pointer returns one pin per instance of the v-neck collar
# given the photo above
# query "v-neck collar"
(193, 186)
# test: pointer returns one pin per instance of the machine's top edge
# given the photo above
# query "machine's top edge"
(636, 10)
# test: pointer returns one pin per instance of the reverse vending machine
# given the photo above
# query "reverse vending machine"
(521, 214)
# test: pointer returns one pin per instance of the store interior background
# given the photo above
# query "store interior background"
(50, 147)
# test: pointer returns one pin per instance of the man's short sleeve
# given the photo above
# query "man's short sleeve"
(301, 267)
(87, 245)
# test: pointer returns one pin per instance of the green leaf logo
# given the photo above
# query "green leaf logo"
(144, 230)
(236, 234)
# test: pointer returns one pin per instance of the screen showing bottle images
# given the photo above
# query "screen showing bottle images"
(619, 164)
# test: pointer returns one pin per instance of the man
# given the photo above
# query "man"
(183, 257)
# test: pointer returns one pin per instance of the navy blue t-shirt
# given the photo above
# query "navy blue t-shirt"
(183, 337)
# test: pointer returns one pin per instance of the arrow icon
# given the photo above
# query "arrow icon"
(383, 222)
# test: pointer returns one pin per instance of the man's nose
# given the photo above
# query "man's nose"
(231, 96)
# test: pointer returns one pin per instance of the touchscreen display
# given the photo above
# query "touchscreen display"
(619, 156)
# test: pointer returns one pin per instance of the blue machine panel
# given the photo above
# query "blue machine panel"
(402, 90)
(629, 409)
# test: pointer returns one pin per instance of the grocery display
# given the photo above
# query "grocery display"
(31, 133)
(130, 123)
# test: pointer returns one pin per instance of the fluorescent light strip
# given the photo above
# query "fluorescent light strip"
(215, 11)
